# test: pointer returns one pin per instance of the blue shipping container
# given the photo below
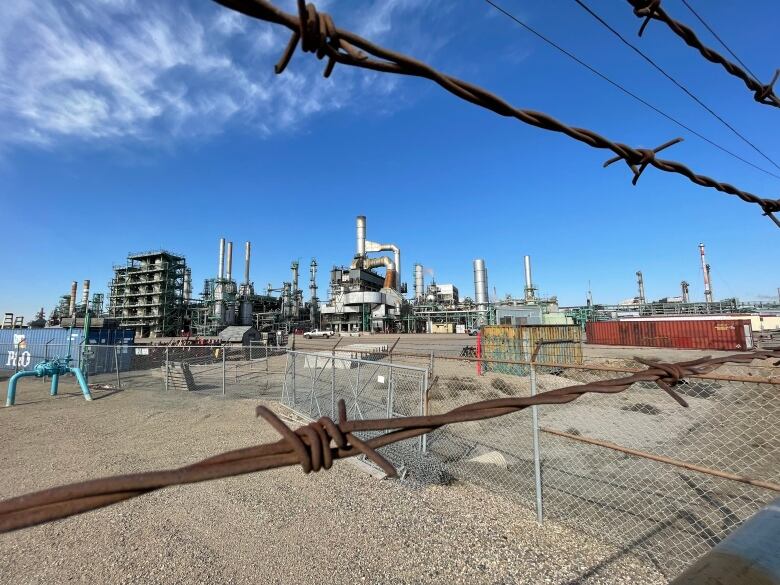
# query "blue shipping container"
(21, 349)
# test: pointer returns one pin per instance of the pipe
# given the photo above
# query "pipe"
(85, 294)
(705, 268)
(529, 287)
(72, 307)
(247, 257)
(229, 271)
(747, 556)
(221, 265)
(361, 235)
(640, 282)
(377, 247)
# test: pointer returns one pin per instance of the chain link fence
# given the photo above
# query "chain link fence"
(636, 467)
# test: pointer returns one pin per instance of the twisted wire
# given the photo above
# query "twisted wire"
(317, 445)
(316, 33)
(652, 10)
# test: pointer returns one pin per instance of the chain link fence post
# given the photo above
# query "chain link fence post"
(116, 367)
(424, 407)
(537, 459)
(333, 386)
(166, 369)
(224, 347)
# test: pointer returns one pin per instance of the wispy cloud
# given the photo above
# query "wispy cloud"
(101, 70)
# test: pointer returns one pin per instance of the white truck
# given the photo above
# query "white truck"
(317, 333)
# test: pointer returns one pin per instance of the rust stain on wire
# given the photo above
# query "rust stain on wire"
(652, 10)
(316, 33)
(317, 445)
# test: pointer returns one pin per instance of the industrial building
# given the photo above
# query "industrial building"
(147, 293)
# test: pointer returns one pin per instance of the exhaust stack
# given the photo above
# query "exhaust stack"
(705, 268)
(229, 272)
(247, 257)
(419, 283)
(530, 291)
(361, 235)
(481, 287)
(640, 283)
(221, 265)
(85, 294)
(72, 307)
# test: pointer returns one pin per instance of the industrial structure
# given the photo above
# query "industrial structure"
(152, 295)
(147, 293)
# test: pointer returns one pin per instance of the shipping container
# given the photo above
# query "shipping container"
(719, 334)
(21, 349)
(551, 344)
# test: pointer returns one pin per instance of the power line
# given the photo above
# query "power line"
(625, 90)
(714, 34)
(673, 80)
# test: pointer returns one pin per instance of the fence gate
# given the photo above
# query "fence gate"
(314, 382)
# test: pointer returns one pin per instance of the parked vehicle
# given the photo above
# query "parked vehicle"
(473, 331)
(316, 333)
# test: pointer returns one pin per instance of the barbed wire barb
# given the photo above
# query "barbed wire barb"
(348, 48)
(652, 10)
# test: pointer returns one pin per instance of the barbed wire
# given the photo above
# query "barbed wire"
(312, 446)
(622, 88)
(317, 33)
(651, 10)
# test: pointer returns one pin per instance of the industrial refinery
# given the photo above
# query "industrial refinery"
(152, 295)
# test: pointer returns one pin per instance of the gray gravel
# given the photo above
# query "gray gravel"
(276, 527)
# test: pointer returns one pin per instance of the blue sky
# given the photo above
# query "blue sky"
(128, 125)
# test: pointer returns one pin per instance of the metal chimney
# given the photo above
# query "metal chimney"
(229, 272)
(85, 295)
(72, 308)
(247, 257)
(529, 286)
(640, 283)
(684, 289)
(705, 268)
(187, 285)
(419, 283)
(480, 285)
(361, 235)
(221, 269)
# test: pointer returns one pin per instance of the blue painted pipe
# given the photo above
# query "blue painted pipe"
(11, 395)
(51, 368)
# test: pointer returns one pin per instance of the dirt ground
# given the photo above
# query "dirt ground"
(276, 527)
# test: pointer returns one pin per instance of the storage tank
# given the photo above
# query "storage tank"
(419, 282)
(480, 284)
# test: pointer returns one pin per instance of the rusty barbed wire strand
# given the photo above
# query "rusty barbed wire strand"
(652, 10)
(316, 33)
(682, 88)
(622, 88)
(310, 446)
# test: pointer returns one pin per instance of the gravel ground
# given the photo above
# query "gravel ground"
(275, 527)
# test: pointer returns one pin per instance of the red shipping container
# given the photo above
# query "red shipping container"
(725, 335)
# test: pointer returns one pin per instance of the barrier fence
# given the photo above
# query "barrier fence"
(636, 467)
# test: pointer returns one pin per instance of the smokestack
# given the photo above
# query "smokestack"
(419, 283)
(480, 285)
(221, 269)
(640, 283)
(529, 286)
(187, 285)
(247, 257)
(85, 294)
(705, 268)
(72, 308)
(229, 272)
(361, 235)
(684, 289)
